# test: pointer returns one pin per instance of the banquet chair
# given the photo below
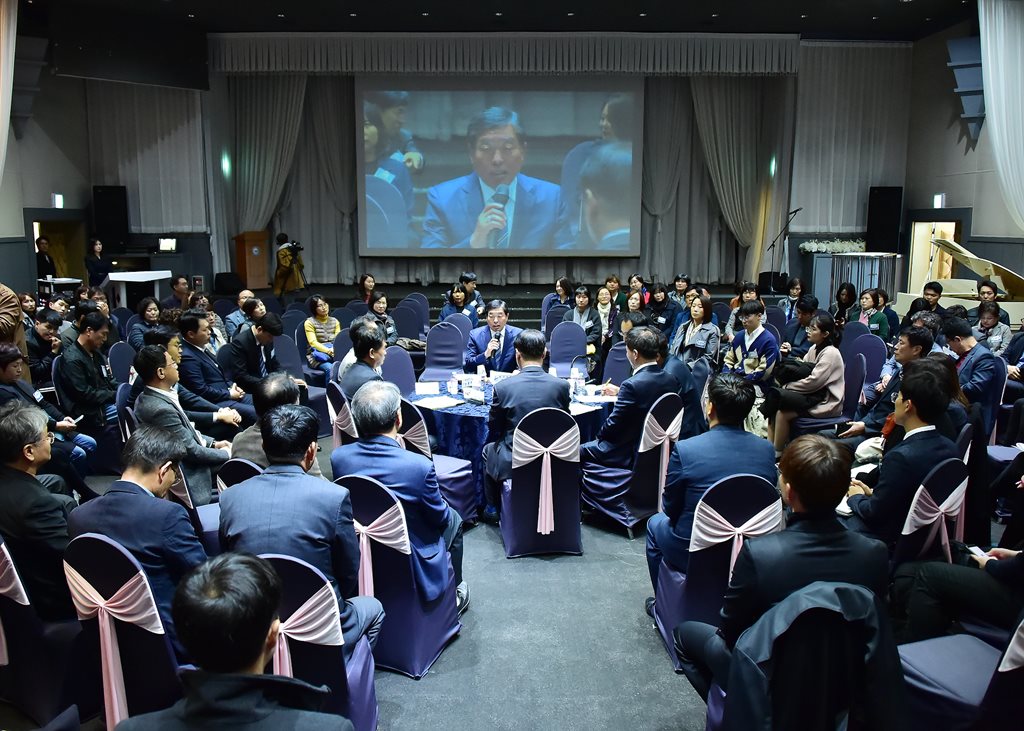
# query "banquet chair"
(553, 318)
(66, 720)
(358, 307)
(310, 375)
(418, 302)
(462, 322)
(36, 664)
(774, 316)
(121, 404)
(398, 369)
(963, 442)
(1001, 375)
(224, 307)
(342, 344)
(874, 351)
(109, 586)
(937, 504)
(407, 322)
(121, 357)
(853, 330)
(310, 643)
(224, 362)
(567, 348)
(776, 333)
(205, 519)
(629, 496)
(301, 306)
(723, 311)
(344, 316)
(616, 366)
(131, 322)
(454, 475)
(445, 353)
(123, 314)
(273, 304)
(343, 428)
(416, 631)
(853, 386)
(236, 470)
(702, 369)
(288, 356)
(540, 504)
(732, 510)
(293, 319)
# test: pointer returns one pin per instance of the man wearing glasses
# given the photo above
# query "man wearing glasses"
(752, 355)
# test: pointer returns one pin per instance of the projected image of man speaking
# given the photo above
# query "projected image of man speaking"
(495, 206)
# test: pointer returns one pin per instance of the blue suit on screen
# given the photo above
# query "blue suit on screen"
(503, 360)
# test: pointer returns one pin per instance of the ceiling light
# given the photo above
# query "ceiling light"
(191, 15)
(280, 15)
(804, 16)
(570, 14)
(643, 15)
(874, 17)
(928, 20)
(424, 14)
(498, 14)
(714, 15)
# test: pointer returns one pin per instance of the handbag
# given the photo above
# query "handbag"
(793, 369)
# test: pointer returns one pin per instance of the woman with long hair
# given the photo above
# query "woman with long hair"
(561, 296)
(662, 310)
(98, 267)
(846, 297)
(379, 309)
(637, 284)
(320, 329)
(365, 287)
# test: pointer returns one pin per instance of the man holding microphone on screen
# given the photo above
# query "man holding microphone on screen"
(495, 206)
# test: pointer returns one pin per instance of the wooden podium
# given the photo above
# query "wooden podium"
(251, 258)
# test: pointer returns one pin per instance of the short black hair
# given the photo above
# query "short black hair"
(467, 277)
(287, 432)
(314, 302)
(176, 278)
(277, 389)
(189, 321)
(376, 295)
(583, 290)
(85, 307)
(607, 174)
(9, 352)
(149, 360)
(497, 305)
(531, 344)
(956, 311)
(250, 305)
(144, 304)
(683, 278)
(50, 317)
(643, 340)
(751, 307)
(927, 389)
(458, 287)
(366, 337)
(918, 336)
(271, 323)
(795, 281)
(389, 99)
(956, 327)
(159, 335)
(95, 321)
(733, 398)
(638, 319)
(987, 283)
(493, 118)
(223, 610)
(988, 308)
(872, 293)
(281, 238)
(149, 447)
(807, 303)
(933, 286)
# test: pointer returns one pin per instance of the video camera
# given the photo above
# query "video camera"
(294, 246)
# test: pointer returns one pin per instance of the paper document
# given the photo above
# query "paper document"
(428, 388)
(438, 402)
(576, 408)
(843, 508)
(596, 399)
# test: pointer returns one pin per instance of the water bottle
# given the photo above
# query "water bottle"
(453, 385)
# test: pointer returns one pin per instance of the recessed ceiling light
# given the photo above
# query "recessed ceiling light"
(498, 14)
(352, 15)
(643, 15)
(280, 15)
(874, 17)
(424, 14)
(804, 16)
(191, 15)
(570, 14)
(928, 20)
(714, 15)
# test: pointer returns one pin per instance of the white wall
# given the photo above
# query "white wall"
(942, 159)
(51, 157)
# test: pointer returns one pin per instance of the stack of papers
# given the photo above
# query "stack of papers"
(596, 399)
(438, 402)
(576, 408)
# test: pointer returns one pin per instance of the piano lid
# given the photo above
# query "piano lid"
(1008, 281)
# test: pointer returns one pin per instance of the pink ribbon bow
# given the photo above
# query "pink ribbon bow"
(389, 529)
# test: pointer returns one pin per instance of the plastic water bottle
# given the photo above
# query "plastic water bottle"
(453, 385)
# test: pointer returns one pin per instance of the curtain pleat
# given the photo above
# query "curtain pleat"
(8, 41)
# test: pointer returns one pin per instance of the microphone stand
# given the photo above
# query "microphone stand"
(772, 246)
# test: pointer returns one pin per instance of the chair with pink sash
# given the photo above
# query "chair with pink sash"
(961, 682)
(732, 510)
(116, 608)
(205, 519)
(540, 505)
(342, 426)
(454, 475)
(938, 504)
(309, 644)
(35, 656)
(415, 631)
(631, 496)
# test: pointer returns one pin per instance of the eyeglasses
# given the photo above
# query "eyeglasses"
(49, 437)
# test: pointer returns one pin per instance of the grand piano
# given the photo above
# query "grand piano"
(965, 291)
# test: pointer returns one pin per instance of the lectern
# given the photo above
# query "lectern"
(251, 258)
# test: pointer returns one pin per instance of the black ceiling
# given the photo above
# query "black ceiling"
(836, 19)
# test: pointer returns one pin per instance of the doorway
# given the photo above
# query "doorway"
(927, 262)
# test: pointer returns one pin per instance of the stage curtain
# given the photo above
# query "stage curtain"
(645, 54)
(150, 140)
(1002, 57)
(267, 113)
(852, 125)
(8, 41)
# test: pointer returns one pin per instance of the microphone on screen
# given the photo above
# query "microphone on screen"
(501, 198)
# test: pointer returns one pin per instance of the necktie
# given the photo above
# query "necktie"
(263, 362)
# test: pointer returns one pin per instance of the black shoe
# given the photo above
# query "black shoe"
(649, 606)
(489, 515)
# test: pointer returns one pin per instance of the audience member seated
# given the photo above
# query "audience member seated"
(585, 315)
(28, 310)
(200, 301)
(148, 311)
(561, 296)
(870, 314)
(492, 345)
(885, 307)
(818, 394)
(473, 295)
(619, 437)
(626, 322)
(931, 294)
(697, 463)
(880, 512)
(86, 377)
(33, 520)
(456, 301)
(976, 366)
(82, 308)
(226, 612)
(237, 319)
(749, 292)
(370, 350)
(532, 388)
(98, 296)
(178, 298)
(364, 288)
(43, 345)
(794, 335)
(349, 358)
(252, 351)
(753, 352)
(277, 389)
(813, 547)
(661, 310)
(160, 406)
(987, 293)
(320, 329)
(846, 299)
(609, 313)
(989, 330)
(788, 304)
(697, 336)
(158, 533)
(201, 373)
(379, 309)
(680, 284)
(286, 511)
(432, 524)
(614, 285)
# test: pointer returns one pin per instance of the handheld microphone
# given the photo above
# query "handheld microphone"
(796, 211)
(495, 336)
(501, 198)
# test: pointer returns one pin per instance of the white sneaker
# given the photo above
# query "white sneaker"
(462, 597)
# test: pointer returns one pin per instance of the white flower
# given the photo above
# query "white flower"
(833, 246)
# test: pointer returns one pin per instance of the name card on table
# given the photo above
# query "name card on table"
(474, 395)
(499, 376)
(428, 388)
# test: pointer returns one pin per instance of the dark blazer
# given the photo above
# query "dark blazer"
(246, 357)
(136, 336)
(40, 357)
(45, 266)
(21, 391)
(34, 524)
(468, 309)
(899, 475)
(249, 702)
(694, 421)
(98, 269)
(978, 380)
(411, 478)
(1014, 351)
(89, 384)
(504, 360)
(156, 532)
(811, 548)
(355, 376)
(201, 374)
(514, 398)
(664, 319)
(539, 220)
(591, 326)
(620, 434)
(286, 511)
(796, 335)
(696, 464)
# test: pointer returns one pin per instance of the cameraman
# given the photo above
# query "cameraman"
(289, 275)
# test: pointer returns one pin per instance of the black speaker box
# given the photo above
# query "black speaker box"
(885, 217)
(110, 216)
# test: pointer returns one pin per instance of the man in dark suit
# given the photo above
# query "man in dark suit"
(45, 266)
(514, 398)
(433, 525)
(178, 298)
(976, 368)
(252, 351)
(158, 532)
(370, 348)
(495, 206)
(159, 406)
(697, 463)
(286, 511)
(694, 421)
(227, 612)
(815, 473)
(794, 335)
(923, 399)
(201, 373)
(620, 434)
(43, 345)
(33, 521)
(492, 345)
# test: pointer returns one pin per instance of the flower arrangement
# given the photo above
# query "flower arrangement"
(833, 246)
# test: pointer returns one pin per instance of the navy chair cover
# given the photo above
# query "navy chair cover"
(224, 307)
(288, 356)
(353, 694)
(702, 370)
(38, 678)
(123, 314)
(147, 661)
(205, 519)
(273, 304)
(462, 322)
(923, 543)
(963, 442)
(996, 397)
(358, 307)
(407, 322)
(121, 357)
(775, 317)
(236, 470)
(520, 496)
(224, 361)
(58, 384)
(874, 351)
(697, 595)
(774, 331)
(445, 352)
(302, 307)
(616, 365)
(630, 496)
(398, 369)
(723, 311)
(342, 344)
(454, 476)
(293, 319)
(418, 302)
(853, 386)
(852, 331)
(311, 375)
(131, 321)
(344, 316)
(553, 318)
(568, 342)
(415, 632)
(344, 429)
(68, 720)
